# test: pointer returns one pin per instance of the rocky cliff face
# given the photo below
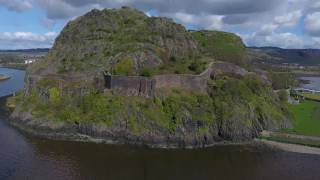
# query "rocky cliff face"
(66, 92)
(100, 40)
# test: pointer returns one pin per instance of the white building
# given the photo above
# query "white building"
(29, 61)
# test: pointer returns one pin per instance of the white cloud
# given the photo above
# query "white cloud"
(61, 9)
(267, 29)
(288, 20)
(312, 24)
(283, 40)
(266, 23)
(23, 40)
(201, 21)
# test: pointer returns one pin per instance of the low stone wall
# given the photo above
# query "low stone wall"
(73, 85)
(188, 82)
(146, 86)
(131, 85)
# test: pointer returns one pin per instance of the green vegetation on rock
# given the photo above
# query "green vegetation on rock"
(230, 103)
(222, 46)
(282, 80)
(123, 67)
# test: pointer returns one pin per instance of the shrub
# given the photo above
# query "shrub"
(173, 59)
(54, 95)
(282, 80)
(147, 72)
(283, 96)
(124, 67)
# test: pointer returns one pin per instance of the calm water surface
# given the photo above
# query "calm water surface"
(27, 157)
(15, 83)
(314, 83)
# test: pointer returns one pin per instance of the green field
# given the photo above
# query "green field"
(306, 118)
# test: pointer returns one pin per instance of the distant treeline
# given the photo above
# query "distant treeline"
(278, 56)
(38, 50)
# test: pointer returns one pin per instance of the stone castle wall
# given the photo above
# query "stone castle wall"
(131, 85)
(146, 86)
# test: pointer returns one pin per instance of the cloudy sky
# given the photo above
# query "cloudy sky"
(281, 23)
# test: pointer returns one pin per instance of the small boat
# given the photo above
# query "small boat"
(4, 77)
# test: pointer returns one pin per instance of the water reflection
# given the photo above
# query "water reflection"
(96, 161)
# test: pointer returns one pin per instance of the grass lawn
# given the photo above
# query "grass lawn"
(306, 118)
(312, 96)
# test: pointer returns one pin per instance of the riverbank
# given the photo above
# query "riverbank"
(64, 132)
(259, 143)
(290, 138)
(70, 132)
(17, 66)
(306, 73)
(91, 133)
(292, 147)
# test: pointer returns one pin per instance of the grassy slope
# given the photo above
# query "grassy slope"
(306, 118)
(222, 46)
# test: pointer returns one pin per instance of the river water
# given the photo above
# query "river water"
(14, 84)
(27, 157)
(313, 82)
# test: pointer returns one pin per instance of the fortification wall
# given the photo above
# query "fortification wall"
(131, 85)
(188, 82)
(73, 85)
(146, 86)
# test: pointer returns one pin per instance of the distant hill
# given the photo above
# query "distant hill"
(274, 55)
(37, 50)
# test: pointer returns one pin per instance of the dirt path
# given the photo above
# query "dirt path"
(292, 147)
